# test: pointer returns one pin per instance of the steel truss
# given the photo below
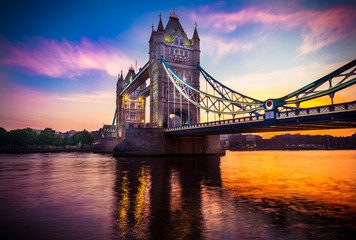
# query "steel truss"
(224, 91)
(228, 93)
(230, 102)
(328, 85)
(239, 104)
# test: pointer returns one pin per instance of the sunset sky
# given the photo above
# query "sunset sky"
(59, 60)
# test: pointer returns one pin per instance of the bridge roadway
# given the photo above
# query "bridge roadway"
(316, 118)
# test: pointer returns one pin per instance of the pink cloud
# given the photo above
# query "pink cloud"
(318, 28)
(327, 27)
(64, 58)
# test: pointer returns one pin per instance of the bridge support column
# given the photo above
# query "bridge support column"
(154, 142)
(194, 145)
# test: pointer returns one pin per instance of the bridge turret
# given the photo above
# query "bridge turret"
(196, 45)
(118, 113)
(156, 41)
(129, 76)
(182, 54)
(120, 83)
(160, 24)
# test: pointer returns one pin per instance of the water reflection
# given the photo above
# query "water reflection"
(160, 198)
(240, 196)
(243, 195)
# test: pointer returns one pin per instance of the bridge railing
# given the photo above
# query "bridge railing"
(216, 123)
(318, 110)
(351, 106)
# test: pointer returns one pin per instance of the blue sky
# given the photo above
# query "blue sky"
(59, 60)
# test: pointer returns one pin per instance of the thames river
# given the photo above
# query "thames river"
(243, 195)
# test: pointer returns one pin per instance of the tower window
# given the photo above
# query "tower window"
(132, 106)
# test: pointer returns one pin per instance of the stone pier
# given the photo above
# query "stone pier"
(154, 142)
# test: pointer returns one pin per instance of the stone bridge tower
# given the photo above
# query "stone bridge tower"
(182, 55)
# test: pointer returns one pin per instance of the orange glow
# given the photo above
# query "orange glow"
(332, 132)
(287, 176)
(39, 110)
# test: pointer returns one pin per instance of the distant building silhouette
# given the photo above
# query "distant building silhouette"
(239, 142)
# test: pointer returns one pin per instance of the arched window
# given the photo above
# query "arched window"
(176, 41)
(181, 42)
(132, 106)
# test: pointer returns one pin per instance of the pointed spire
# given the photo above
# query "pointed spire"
(174, 15)
(120, 77)
(131, 68)
(160, 25)
(195, 34)
(120, 82)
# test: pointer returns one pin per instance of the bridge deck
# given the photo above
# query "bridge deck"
(326, 117)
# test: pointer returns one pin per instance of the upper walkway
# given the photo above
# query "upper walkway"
(139, 79)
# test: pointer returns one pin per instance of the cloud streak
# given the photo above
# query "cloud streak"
(218, 47)
(64, 58)
(318, 28)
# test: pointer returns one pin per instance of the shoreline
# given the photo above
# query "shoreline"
(47, 149)
(92, 150)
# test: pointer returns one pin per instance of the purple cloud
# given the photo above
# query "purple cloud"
(64, 58)
(318, 28)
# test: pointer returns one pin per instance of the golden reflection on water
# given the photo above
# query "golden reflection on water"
(243, 195)
(132, 187)
(258, 195)
(140, 204)
(296, 179)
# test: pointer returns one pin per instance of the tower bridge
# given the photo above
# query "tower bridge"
(178, 99)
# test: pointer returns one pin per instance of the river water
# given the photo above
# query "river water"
(243, 195)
